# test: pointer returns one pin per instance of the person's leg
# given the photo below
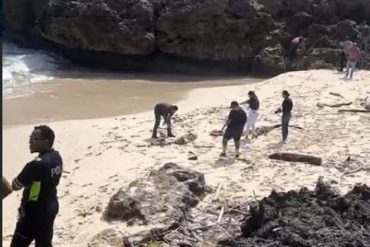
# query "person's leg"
(236, 136)
(225, 139)
(342, 61)
(23, 234)
(366, 45)
(347, 69)
(156, 124)
(353, 67)
(249, 123)
(169, 129)
(285, 126)
(254, 120)
(44, 235)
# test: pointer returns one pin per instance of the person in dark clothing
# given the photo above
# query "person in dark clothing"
(166, 111)
(6, 188)
(39, 178)
(286, 108)
(235, 123)
(292, 50)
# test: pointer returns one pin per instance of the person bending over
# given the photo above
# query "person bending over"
(166, 111)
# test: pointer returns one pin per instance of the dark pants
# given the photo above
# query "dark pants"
(157, 116)
(232, 134)
(342, 61)
(35, 226)
(285, 125)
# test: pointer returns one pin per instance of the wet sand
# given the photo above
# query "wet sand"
(85, 98)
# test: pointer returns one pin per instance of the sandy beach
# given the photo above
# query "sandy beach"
(103, 154)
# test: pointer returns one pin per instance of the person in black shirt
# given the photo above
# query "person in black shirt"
(253, 113)
(235, 123)
(39, 178)
(286, 108)
(166, 111)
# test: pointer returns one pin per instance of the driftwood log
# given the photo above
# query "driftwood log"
(263, 130)
(321, 105)
(294, 157)
(336, 94)
(353, 110)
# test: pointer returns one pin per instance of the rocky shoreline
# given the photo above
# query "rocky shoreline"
(208, 36)
(295, 218)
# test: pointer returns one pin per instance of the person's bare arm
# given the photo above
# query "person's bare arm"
(6, 188)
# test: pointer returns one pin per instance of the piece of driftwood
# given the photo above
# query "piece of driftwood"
(336, 94)
(294, 157)
(359, 169)
(321, 105)
(353, 110)
(263, 130)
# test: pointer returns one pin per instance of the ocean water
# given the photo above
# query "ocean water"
(24, 66)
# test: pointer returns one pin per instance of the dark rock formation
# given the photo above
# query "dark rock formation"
(188, 35)
(308, 218)
(164, 197)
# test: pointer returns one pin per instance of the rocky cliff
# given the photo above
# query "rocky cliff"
(189, 35)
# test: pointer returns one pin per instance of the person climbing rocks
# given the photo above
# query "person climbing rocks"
(292, 50)
(6, 188)
(353, 54)
(286, 108)
(252, 113)
(364, 36)
(235, 124)
(345, 45)
(166, 111)
(39, 178)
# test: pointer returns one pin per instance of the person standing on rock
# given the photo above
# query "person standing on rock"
(235, 124)
(345, 45)
(353, 54)
(39, 178)
(166, 111)
(6, 188)
(292, 50)
(365, 36)
(252, 116)
(286, 108)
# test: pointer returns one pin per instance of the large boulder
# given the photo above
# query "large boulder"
(163, 198)
(185, 35)
(122, 27)
(208, 29)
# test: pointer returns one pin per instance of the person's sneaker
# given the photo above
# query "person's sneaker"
(237, 156)
(171, 135)
(155, 137)
(223, 154)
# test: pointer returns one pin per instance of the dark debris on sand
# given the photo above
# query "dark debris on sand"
(307, 218)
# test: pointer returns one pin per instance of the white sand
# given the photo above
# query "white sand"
(101, 155)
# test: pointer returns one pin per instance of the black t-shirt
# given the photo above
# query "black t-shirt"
(163, 109)
(254, 103)
(237, 118)
(40, 178)
(287, 106)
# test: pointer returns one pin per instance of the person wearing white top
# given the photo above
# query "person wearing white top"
(253, 113)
